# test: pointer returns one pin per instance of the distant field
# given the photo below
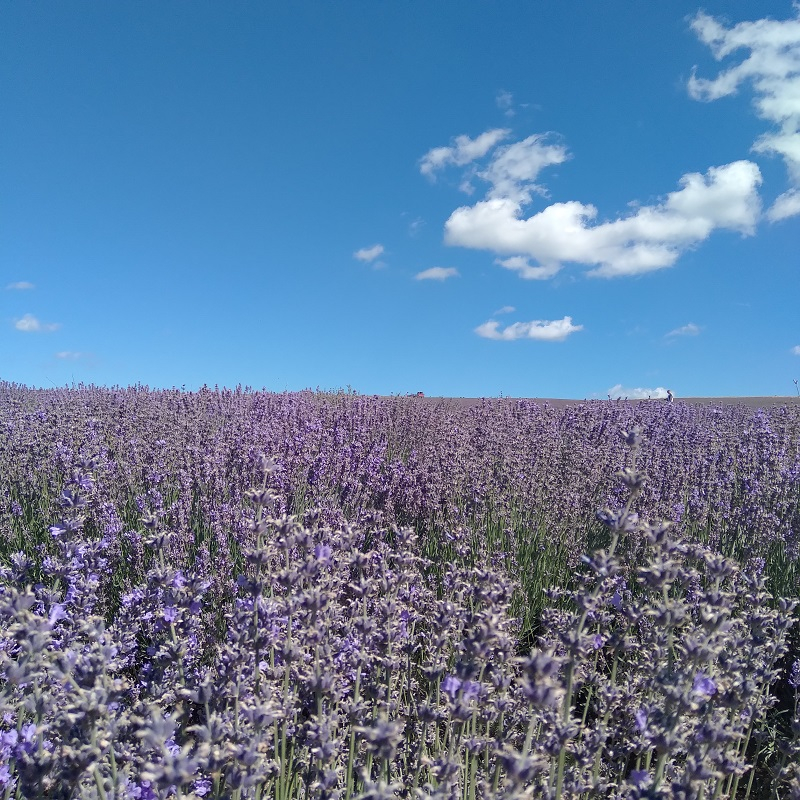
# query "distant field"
(750, 402)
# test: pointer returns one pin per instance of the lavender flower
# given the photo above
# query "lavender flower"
(427, 605)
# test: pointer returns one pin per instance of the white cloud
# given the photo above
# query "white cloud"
(29, 324)
(772, 68)
(463, 151)
(785, 206)
(514, 167)
(796, 350)
(69, 355)
(544, 330)
(505, 310)
(523, 268)
(437, 274)
(505, 102)
(689, 329)
(20, 285)
(650, 238)
(619, 390)
(369, 254)
(415, 226)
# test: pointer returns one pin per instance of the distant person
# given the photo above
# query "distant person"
(670, 396)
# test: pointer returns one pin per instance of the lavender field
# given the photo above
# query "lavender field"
(235, 594)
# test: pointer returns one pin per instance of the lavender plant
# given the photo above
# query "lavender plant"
(360, 623)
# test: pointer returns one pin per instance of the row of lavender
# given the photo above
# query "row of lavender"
(348, 661)
(527, 477)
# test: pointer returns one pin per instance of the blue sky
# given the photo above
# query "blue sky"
(463, 198)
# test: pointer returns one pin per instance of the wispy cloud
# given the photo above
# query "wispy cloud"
(505, 102)
(415, 226)
(543, 330)
(796, 350)
(20, 286)
(685, 330)
(525, 270)
(369, 254)
(619, 390)
(69, 355)
(29, 324)
(437, 274)
(462, 151)
(773, 70)
(785, 206)
(514, 168)
(504, 310)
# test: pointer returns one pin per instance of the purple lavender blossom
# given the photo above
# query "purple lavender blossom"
(450, 685)
(794, 677)
(322, 552)
(57, 613)
(9, 738)
(470, 690)
(703, 685)
(641, 720)
(640, 778)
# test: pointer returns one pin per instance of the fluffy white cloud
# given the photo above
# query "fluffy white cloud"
(686, 330)
(463, 151)
(650, 238)
(29, 324)
(619, 390)
(544, 330)
(20, 285)
(772, 68)
(369, 254)
(785, 206)
(437, 274)
(796, 350)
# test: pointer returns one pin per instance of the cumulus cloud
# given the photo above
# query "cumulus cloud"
(785, 206)
(686, 330)
(772, 68)
(437, 274)
(20, 286)
(29, 324)
(369, 254)
(544, 330)
(796, 350)
(619, 390)
(462, 151)
(650, 238)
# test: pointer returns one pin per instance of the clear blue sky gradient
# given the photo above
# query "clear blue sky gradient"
(185, 186)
